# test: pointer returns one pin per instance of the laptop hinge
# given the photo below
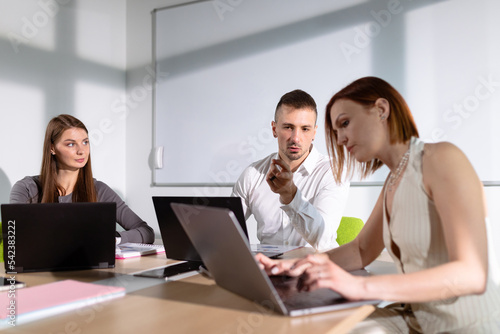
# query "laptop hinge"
(103, 265)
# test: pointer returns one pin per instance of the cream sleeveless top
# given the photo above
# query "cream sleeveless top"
(416, 228)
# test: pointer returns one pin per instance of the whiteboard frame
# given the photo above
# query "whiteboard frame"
(156, 182)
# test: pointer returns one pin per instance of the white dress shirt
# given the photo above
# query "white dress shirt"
(311, 218)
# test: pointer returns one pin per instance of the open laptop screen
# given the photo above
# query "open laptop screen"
(177, 244)
(58, 236)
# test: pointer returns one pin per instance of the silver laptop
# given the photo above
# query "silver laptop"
(221, 243)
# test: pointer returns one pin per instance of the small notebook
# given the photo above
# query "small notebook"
(132, 249)
(45, 300)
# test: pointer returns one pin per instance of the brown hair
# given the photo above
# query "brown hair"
(297, 99)
(366, 91)
(84, 190)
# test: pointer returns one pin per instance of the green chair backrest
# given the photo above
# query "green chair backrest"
(348, 229)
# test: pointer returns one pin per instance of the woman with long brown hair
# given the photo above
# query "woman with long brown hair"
(430, 216)
(66, 176)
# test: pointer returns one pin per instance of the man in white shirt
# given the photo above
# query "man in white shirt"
(292, 194)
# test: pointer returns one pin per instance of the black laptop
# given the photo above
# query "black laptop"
(177, 243)
(58, 236)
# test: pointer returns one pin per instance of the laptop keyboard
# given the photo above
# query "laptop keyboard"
(293, 299)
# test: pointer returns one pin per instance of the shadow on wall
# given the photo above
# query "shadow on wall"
(5, 187)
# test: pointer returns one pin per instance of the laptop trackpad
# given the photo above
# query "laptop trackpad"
(287, 289)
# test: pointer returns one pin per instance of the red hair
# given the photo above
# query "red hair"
(366, 91)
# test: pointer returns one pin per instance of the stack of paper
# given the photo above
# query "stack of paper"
(130, 249)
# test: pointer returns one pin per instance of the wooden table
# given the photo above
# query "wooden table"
(192, 304)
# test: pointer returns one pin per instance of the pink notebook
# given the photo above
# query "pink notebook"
(45, 300)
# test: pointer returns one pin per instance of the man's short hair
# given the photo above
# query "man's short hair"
(297, 99)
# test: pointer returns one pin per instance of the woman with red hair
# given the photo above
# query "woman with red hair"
(430, 216)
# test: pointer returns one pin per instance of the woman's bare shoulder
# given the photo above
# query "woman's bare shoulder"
(444, 161)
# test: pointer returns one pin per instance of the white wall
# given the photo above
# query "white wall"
(61, 57)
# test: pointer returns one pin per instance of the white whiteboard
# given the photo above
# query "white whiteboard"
(223, 65)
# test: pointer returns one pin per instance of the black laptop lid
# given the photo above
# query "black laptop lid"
(58, 236)
(176, 242)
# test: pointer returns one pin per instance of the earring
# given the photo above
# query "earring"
(382, 118)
